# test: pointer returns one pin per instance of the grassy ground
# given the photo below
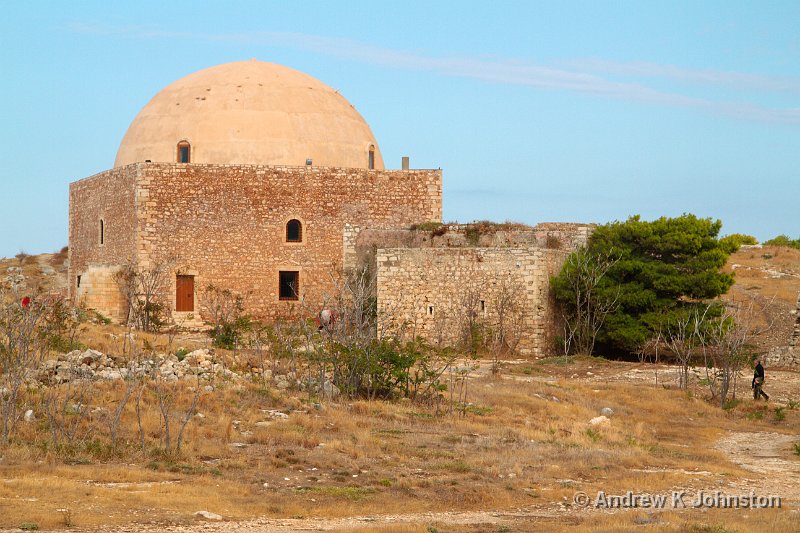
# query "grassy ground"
(523, 443)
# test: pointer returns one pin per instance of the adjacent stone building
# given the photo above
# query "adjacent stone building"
(257, 178)
(463, 283)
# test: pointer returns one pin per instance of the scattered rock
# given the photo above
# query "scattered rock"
(29, 416)
(607, 411)
(94, 365)
(599, 420)
(275, 414)
(329, 390)
(208, 516)
(646, 520)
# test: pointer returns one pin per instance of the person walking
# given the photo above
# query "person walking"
(758, 382)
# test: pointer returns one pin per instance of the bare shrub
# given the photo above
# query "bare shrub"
(683, 335)
(146, 290)
(67, 407)
(585, 302)
(472, 325)
(731, 343)
(226, 310)
(508, 307)
(26, 326)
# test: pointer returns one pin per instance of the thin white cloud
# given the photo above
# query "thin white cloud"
(737, 80)
(578, 79)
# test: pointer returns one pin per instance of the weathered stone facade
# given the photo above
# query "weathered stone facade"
(109, 197)
(226, 225)
(430, 292)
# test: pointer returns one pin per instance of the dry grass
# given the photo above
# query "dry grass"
(520, 444)
(771, 275)
(43, 273)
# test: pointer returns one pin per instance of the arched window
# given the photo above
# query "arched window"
(102, 232)
(371, 157)
(294, 231)
(184, 152)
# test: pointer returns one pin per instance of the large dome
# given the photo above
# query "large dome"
(250, 112)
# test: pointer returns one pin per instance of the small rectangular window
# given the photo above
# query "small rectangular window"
(79, 282)
(289, 285)
(430, 310)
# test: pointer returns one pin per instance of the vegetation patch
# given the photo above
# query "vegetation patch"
(349, 493)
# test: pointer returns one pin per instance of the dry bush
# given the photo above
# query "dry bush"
(145, 289)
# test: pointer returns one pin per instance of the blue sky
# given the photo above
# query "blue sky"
(557, 111)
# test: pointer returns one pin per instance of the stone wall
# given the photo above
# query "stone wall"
(110, 197)
(562, 236)
(429, 292)
(226, 224)
(788, 355)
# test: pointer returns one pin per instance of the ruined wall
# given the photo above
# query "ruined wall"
(562, 236)
(422, 291)
(788, 355)
(226, 224)
(110, 197)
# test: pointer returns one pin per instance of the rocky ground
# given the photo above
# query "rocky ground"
(769, 456)
(201, 366)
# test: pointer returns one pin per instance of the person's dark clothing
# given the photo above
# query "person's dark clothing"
(758, 383)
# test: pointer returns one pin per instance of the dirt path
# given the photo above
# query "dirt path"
(516, 520)
(771, 457)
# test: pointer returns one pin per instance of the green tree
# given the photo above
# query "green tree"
(731, 243)
(784, 240)
(661, 269)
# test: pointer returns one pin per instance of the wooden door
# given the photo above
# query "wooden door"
(184, 296)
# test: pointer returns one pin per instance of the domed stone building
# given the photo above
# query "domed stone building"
(249, 176)
(261, 180)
